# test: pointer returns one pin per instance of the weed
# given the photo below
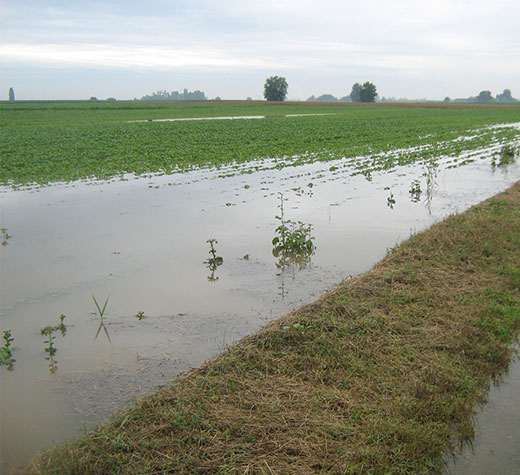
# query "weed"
(6, 351)
(140, 315)
(415, 191)
(50, 349)
(214, 260)
(507, 155)
(390, 201)
(5, 236)
(293, 239)
(101, 313)
(52, 328)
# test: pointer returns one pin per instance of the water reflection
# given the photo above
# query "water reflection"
(101, 313)
(431, 170)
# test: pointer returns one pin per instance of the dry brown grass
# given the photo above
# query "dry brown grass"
(380, 375)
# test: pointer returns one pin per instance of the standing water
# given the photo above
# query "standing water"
(121, 265)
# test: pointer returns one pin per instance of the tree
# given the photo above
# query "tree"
(11, 94)
(505, 96)
(275, 88)
(368, 92)
(355, 94)
(484, 96)
(327, 98)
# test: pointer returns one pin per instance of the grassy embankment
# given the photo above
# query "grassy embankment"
(380, 375)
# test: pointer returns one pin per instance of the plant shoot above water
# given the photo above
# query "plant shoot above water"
(293, 238)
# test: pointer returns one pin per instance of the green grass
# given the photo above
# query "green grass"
(381, 375)
(48, 142)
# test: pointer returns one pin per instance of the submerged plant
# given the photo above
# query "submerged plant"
(6, 351)
(294, 238)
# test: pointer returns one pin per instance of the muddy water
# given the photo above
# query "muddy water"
(141, 244)
(496, 447)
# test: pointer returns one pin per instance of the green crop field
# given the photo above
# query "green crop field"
(47, 142)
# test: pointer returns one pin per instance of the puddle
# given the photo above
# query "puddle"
(227, 117)
(142, 244)
(496, 447)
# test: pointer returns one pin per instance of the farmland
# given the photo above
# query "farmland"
(49, 142)
(108, 289)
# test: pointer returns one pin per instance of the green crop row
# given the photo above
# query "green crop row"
(49, 142)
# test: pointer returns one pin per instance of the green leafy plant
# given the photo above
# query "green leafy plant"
(50, 349)
(52, 328)
(294, 238)
(140, 315)
(6, 351)
(415, 191)
(507, 155)
(5, 236)
(214, 260)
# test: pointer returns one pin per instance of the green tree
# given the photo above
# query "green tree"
(275, 88)
(11, 94)
(505, 96)
(484, 96)
(368, 92)
(355, 94)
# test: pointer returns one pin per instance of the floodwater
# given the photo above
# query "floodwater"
(139, 244)
(496, 446)
(227, 117)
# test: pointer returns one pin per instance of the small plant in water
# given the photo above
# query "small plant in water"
(390, 201)
(101, 313)
(50, 349)
(507, 155)
(214, 260)
(6, 351)
(293, 238)
(140, 315)
(52, 328)
(5, 236)
(415, 191)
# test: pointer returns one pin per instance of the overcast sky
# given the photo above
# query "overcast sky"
(75, 49)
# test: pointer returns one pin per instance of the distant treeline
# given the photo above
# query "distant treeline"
(484, 97)
(175, 96)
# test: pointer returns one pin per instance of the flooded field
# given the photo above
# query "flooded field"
(140, 245)
(495, 448)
